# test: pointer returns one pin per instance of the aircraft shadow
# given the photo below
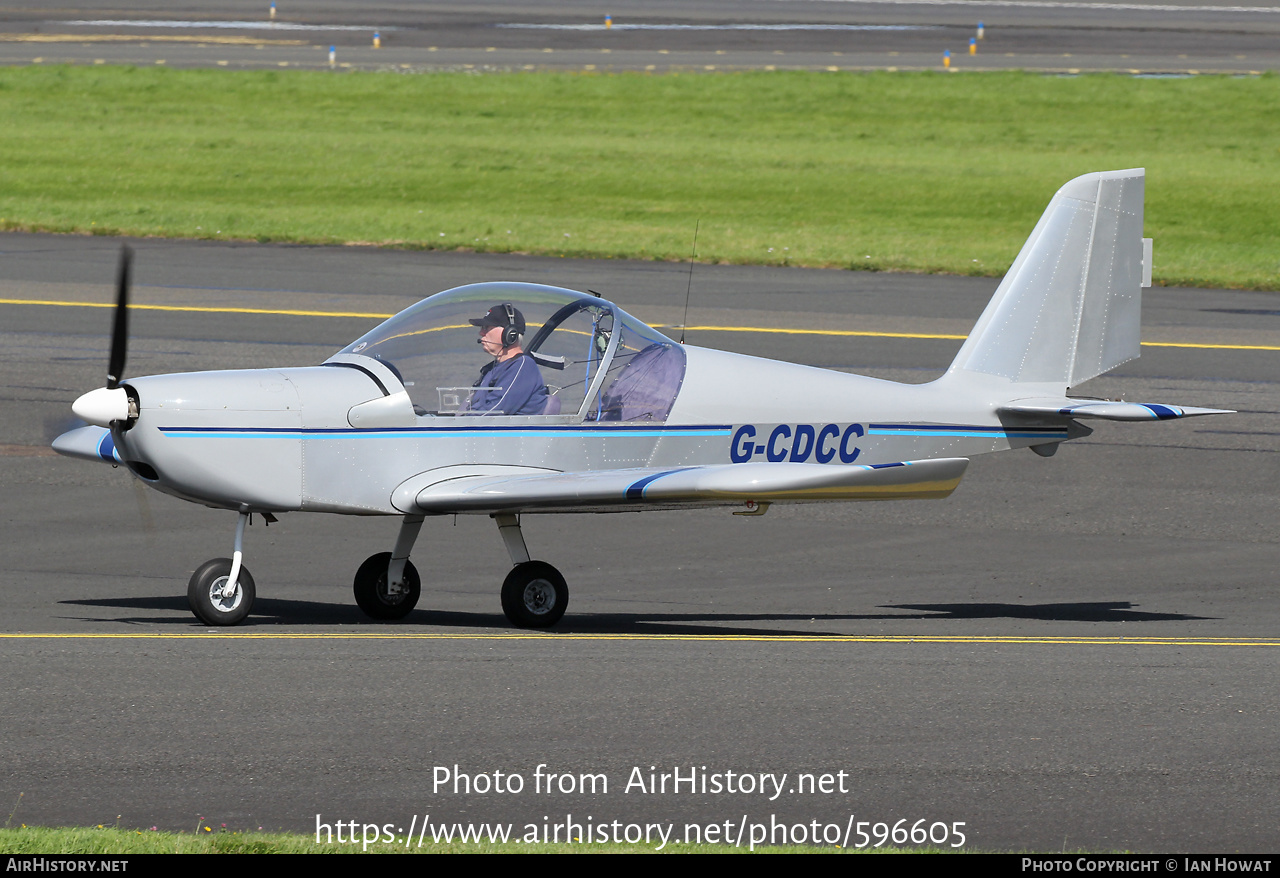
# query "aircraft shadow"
(1110, 611)
(817, 624)
(293, 613)
(266, 611)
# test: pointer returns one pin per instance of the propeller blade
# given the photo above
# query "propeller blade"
(120, 327)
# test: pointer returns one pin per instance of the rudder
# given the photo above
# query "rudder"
(1070, 306)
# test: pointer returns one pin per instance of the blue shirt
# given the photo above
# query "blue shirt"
(517, 388)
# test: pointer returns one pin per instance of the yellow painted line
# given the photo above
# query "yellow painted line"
(834, 332)
(123, 38)
(766, 330)
(1227, 347)
(693, 638)
(199, 308)
(927, 335)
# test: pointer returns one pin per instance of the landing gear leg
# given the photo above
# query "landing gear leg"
(534, 594)
(221, 591)
(387, 584)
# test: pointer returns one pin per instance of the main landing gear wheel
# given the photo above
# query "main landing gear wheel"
(534, 595)
(373, 596)
(208, 598)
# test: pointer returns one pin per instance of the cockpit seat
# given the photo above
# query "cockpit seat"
(647, 386)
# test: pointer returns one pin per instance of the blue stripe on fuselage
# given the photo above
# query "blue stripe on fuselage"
(438, 432)
(963, 432)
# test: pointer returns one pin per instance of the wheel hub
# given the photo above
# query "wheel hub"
(221, 601)
(389, 595)
(539, 597)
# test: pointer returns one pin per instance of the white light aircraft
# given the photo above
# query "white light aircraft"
(587, 409)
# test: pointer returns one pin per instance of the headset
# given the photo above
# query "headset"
(510, 335)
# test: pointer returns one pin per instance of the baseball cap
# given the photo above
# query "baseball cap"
(497, 316)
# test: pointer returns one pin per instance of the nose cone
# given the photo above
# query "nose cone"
(102, 406)
(225, 439)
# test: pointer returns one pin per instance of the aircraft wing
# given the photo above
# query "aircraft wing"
(657, 487)
(1107, 410)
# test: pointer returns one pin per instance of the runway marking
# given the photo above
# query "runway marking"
(834, 332)
(226, 25)
(1065, 4)
(695, 638)
(1228, 347)
(702, 27)
(766, 330)
(926, 335)
(122, 38)
(200, 309)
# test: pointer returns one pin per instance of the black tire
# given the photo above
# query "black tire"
(371, 589)
(534, 595)
(204, 593)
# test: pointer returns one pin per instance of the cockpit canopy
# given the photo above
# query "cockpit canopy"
(598, 362)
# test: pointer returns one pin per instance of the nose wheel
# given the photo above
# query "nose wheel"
(215, 599)
(221, 591)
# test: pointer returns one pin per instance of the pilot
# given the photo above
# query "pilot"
(512, 384)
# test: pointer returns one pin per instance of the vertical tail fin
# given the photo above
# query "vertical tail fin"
(1070, 306)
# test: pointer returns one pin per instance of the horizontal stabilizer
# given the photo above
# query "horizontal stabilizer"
(651, 487)
(1107, 410)
(88, 443)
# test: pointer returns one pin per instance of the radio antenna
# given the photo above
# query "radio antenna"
(692, 255)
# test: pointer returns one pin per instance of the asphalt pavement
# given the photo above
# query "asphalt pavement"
(1072, 652)
(1145, 38)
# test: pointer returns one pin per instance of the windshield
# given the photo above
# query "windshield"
(579, 356)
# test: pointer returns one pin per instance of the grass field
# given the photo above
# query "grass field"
(113, 840)
(890, 171)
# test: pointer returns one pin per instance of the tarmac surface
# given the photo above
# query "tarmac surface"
(1072, 653)
(1061, 36)
(1077, 653)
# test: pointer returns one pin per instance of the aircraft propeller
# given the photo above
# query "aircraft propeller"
(115, 373)
(112, 403)
(120, 325)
